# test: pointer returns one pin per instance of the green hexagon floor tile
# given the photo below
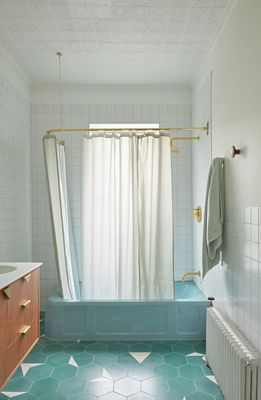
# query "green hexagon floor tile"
(166, 371)
(127, 386)
(153, 370)
(44, 387)
(114, 372)
(155, 386)
(140, 372)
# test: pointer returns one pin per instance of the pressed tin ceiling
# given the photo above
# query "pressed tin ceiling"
(111, 41)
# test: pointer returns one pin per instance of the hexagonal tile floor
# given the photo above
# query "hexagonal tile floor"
(173, 370)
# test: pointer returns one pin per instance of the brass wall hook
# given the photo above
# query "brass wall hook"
(197, 213)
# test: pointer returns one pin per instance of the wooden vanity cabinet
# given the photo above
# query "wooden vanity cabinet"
(3, 333)
(19, 322)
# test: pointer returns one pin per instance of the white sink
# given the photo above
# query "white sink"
(12, 271)
(4, 269)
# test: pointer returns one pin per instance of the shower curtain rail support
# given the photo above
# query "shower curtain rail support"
(174, 129)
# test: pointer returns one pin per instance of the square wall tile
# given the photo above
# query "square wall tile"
(255, 215)
(237, 288)
(247, 215)
(15, 175)
(254, 251)
(254, 233)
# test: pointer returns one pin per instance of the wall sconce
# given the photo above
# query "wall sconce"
(234, 151)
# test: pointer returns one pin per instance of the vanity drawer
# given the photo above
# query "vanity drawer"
(22, 305)
(19, 322)
(17, 351)
(3, 331)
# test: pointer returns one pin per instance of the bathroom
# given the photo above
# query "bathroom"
(166, 64)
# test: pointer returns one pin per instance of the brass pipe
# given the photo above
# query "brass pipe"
(60, 130)
(185, 138)
(192, 273)
(173, 147)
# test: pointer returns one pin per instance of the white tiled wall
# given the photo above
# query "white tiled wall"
(46, 116)
(15, 174)
(201, 160)
(237, 284)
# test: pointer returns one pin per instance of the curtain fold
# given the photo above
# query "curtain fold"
(61, 223)
(155, 218)
(127, 218)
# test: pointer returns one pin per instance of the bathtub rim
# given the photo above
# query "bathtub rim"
(200, 297)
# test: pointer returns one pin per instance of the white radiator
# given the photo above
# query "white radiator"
(233, 360)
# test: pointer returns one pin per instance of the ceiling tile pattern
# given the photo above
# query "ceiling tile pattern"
(111, 41)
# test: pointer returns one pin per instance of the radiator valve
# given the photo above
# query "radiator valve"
(210, 301)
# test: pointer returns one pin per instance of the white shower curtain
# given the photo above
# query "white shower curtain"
(58, 195)
(127, 218)
(155, 218)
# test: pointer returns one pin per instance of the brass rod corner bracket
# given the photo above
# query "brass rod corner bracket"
(206, 128)
(197, 213)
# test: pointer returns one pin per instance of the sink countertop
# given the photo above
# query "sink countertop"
(22, 268)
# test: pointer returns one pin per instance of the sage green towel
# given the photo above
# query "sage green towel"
(213, 216)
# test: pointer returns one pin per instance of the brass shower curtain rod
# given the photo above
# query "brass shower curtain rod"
(172, 138)
(173, 147)
(60, 130)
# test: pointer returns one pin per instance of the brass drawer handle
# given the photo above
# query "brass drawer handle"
(27, 277)
(26, 303)
(7, 292)
(26, 330)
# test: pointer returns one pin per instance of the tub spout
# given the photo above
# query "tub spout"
(192, 273)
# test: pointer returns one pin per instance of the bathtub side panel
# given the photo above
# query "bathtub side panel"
(190, 320)
(175, 320)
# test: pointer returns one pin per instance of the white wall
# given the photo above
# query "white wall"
(15, 163)
(236, 102)
(236, 120)
(110, 95)
(79, 114)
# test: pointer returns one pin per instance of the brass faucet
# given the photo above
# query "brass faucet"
(198, 273)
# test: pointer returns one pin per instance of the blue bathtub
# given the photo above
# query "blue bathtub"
(181, 319)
